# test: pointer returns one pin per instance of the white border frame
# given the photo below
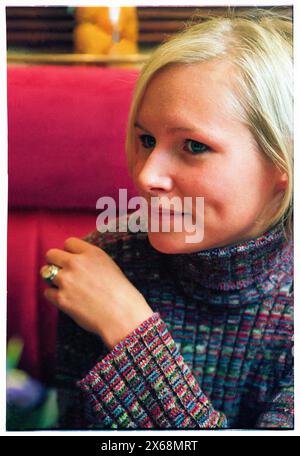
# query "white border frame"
(3, 211)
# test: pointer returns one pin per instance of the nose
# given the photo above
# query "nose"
(154, 174)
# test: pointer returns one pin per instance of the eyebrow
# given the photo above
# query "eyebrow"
(171, 130)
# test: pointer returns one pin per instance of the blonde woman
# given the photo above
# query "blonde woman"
(168, 334)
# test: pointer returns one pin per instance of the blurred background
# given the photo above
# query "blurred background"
(51, 34)
(70, 77)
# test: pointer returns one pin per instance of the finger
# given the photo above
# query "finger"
(76, 245)
(58, 257)
(51, 294)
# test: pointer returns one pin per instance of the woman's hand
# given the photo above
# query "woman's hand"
(94, 292)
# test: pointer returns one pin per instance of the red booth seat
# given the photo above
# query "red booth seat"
(66, 133)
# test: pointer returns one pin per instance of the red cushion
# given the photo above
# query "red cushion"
(30, 315)
(66, 134)
(66, 128)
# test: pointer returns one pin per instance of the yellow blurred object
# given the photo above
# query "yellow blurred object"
(123, 47)
(90, 39)
(94, 31)
(87, 14)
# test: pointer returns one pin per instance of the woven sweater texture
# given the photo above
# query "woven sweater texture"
(216, 353)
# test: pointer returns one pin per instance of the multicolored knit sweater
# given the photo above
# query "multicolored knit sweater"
(216, 353)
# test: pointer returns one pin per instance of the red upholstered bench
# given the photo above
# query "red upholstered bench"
(66, 128)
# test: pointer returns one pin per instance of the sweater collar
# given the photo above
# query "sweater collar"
(233, 267)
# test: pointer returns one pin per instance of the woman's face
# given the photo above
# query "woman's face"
(190, 142)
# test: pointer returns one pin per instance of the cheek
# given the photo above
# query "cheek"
(229, 189)
(212, 184)
(254, 180)
(243, 191)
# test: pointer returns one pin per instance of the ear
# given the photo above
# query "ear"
(282, 181)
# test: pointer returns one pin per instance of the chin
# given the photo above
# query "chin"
(173, 243)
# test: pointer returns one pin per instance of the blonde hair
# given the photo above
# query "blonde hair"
(259, 45)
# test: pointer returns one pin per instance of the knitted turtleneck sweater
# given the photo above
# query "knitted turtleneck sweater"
(216, 353)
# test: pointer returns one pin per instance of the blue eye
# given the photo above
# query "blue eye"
(195, 147)
(148, 141)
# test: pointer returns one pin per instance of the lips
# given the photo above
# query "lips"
(167, 212)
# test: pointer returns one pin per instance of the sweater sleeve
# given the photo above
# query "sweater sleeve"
(279, 412)
(143, 382)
